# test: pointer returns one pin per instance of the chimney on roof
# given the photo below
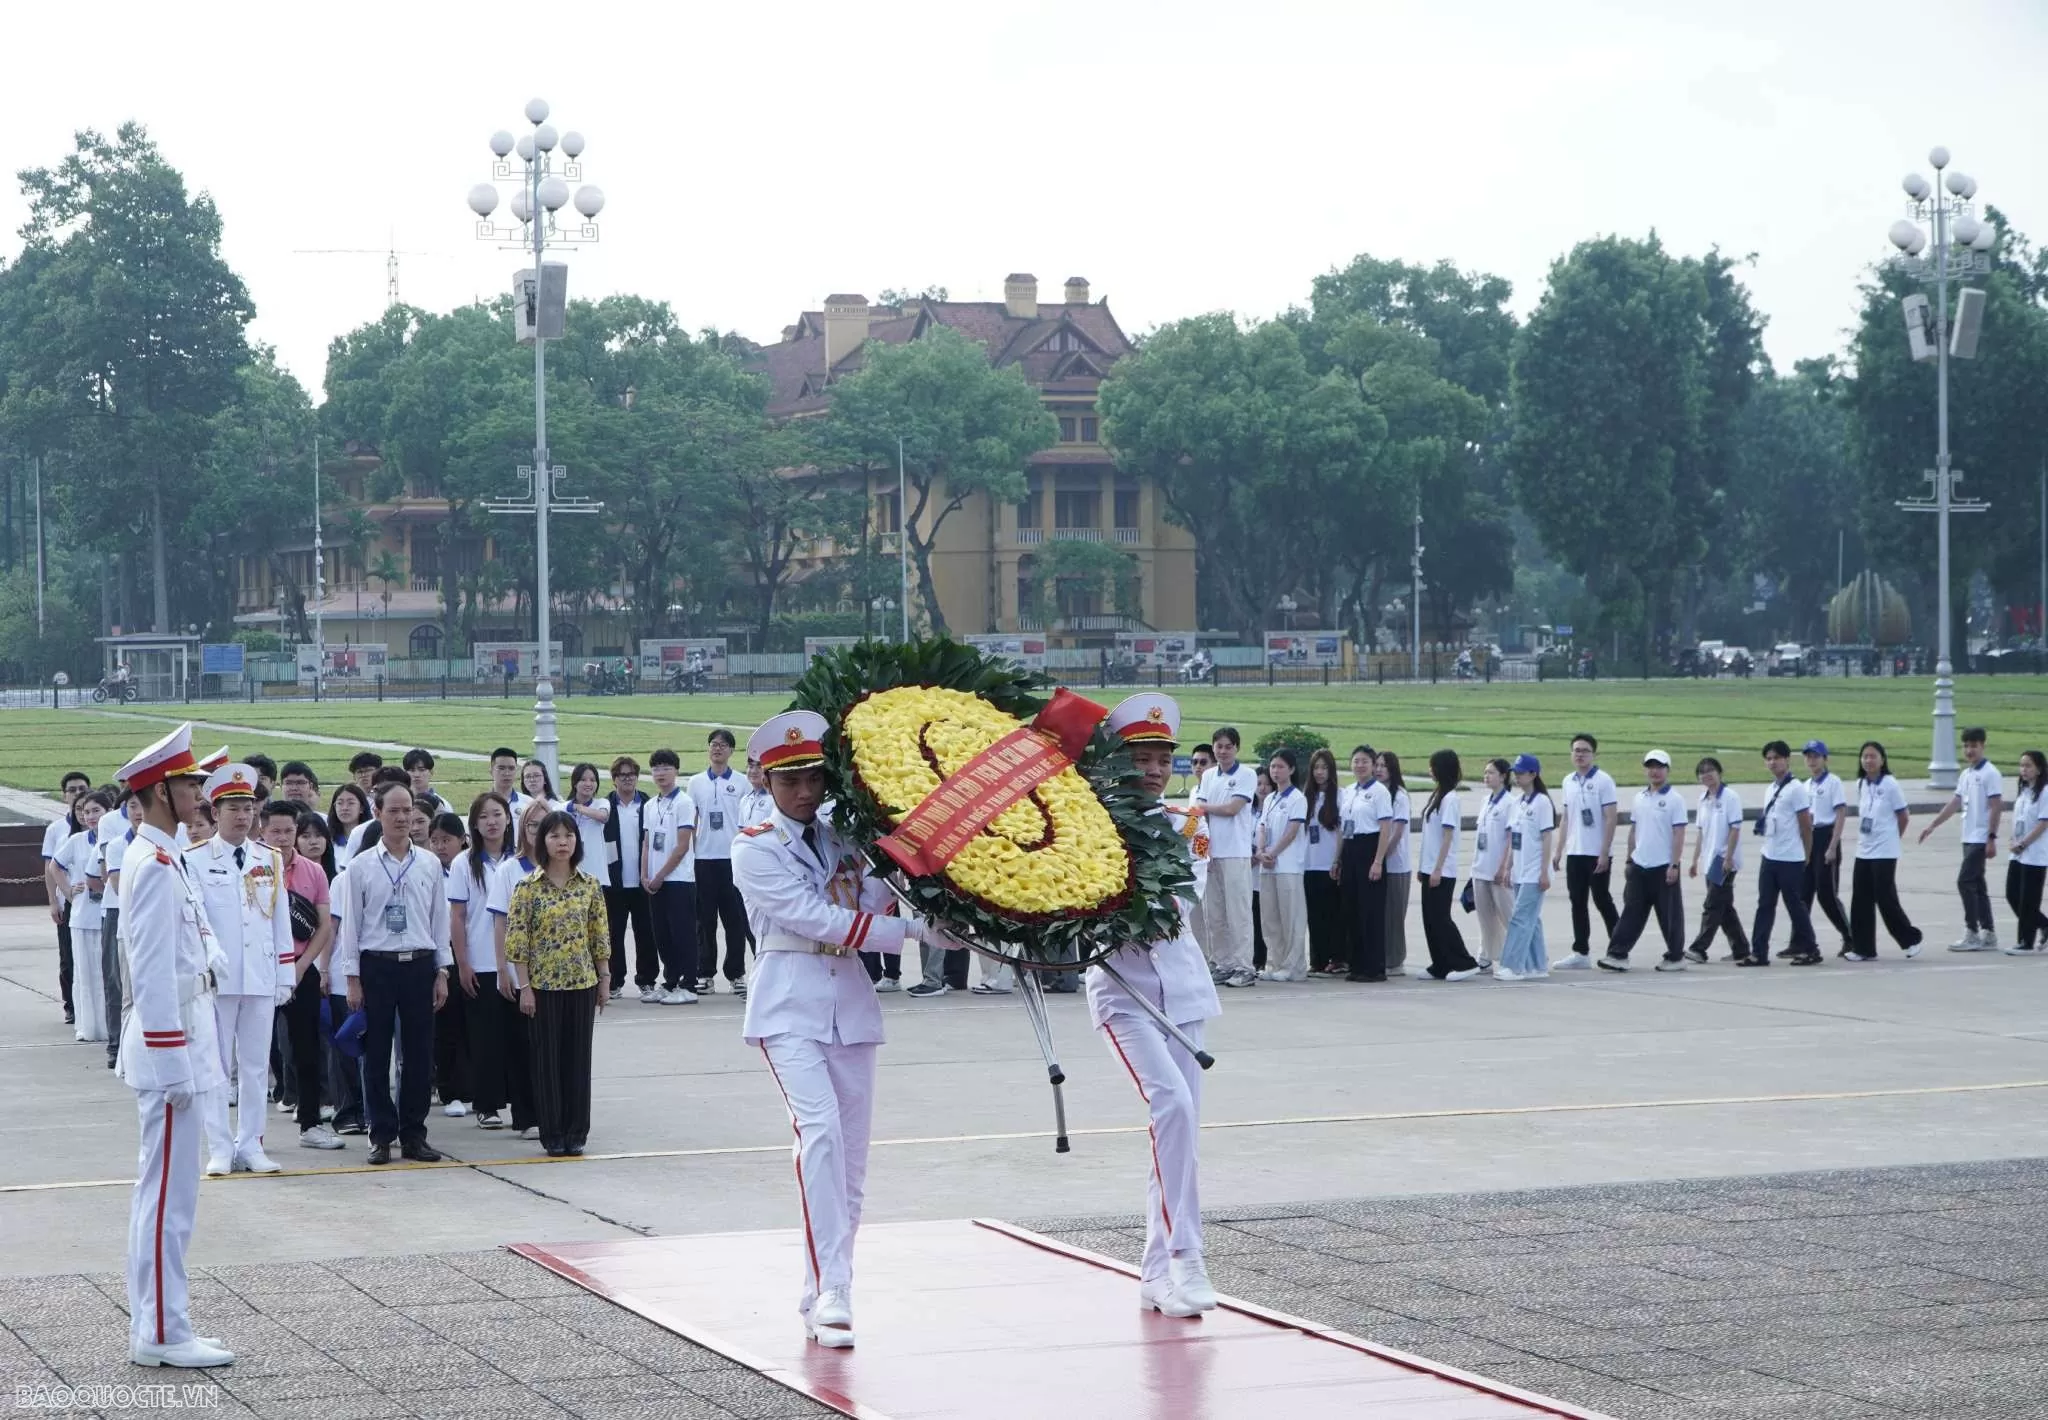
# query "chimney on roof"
(846, 327)
(1077, 290)
(1020, 295)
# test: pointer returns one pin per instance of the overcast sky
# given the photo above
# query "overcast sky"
(1183, 158)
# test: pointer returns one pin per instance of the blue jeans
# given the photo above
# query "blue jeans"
(1523, 950)
(1773, 881)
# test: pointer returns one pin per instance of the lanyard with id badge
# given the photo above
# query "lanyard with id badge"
(394, 910)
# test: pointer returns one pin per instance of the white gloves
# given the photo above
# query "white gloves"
(178, 1096)
(284, 997)
(914, 929)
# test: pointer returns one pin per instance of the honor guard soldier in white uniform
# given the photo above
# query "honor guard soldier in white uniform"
(168, 1054)
(1173, 974)
(812, 1009)
(241, 883)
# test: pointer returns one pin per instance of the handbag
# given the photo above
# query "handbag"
(1465, 898)
(305, 917)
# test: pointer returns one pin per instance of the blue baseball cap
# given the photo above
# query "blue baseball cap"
(1526, 764)
(1819, 747)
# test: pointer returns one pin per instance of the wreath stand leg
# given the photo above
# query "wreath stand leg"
(1041, 1026)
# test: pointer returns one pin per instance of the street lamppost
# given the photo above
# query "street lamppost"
(540, 297)
(1415, 596)
(1961, 247)
(319, 583)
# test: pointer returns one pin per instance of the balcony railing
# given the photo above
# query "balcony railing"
(1127, 535)
(1077, 534)
(1027, 537)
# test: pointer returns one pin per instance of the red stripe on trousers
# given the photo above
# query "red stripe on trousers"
(1164, 1212)
(163, 1189)
(810, 1242)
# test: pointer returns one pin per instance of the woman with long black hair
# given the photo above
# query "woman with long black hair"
(1492, 899)
(2026, 870)
(1442, 819)
(1325, 900)
(1531, 822)
(1365, 810)
(1880, 833)
(1397, 866)
(348, 810)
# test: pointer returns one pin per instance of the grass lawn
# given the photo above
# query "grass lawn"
(1687, 718)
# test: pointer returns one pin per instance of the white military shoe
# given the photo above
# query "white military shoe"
(1191, 1280)
(256, 1161)
(1160, 1295)
(192, 1355)
(219, 1166)
(830, 1319)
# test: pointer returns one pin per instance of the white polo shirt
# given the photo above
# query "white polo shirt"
(1284, 807)
(1716, 815)
(1230, 837)
(1781, 822)
(1877, 826)
(1656, 814)
(1321, 851)
(1438, 825)
(480, 936)
(1363, 808)
(1491, 840)
(717, 801)
(1531, 816)
(1585, 804)
(667, 816)
(2027, 811)
(1976, 787)
(1399, 858)
(1826, 798)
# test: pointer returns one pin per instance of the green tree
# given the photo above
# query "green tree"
(127, 340)
(967, 428)
(1998, 433)
(1627, 383)
(1793, 490)
(253, 492)
(1240, 436)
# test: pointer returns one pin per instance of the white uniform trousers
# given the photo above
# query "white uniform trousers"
(1170, 1083)
(1227, 914)
(160, 1215)
(88, 987)
(242, 1025)
(829, 1091)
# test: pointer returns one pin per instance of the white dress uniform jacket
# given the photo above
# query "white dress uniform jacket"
(249, 914)
(1171, 971)
(167, 1037)
(797, 896)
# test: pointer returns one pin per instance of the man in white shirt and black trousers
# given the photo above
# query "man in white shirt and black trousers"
(1656, 840)
(1786, 828)
(1585, 850)
(716, 792)
(1827, 801)
(1980, 795)
(625, 900)
(393, 951)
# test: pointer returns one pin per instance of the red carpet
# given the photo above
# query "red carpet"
(983, 1320)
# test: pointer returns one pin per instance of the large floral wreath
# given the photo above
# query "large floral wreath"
(1075, 869)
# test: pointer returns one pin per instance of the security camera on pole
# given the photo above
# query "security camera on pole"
(540, 301)
(1961, 247)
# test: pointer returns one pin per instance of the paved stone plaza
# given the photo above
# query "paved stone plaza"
(1714, 1193)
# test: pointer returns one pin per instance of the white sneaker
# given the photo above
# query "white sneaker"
(282, 1107)
(889, 983)
(1970, 942)
(217, 1166)
(2019, 950)
(1159, 1296)
(1485, 962)
(1466, 975)
(830, 1319)
(649, 996)
(256, 1161)
(192, 1355)
(1191, 1280)
(455, 1109)
(1574, 961)
(1397, 971)
(1275, 976)
(319, 1137)
(679, 996)
(1501, 973)
(1611, 962)
(1916, 949)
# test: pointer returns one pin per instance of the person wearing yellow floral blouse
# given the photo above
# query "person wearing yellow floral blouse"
(556, 933)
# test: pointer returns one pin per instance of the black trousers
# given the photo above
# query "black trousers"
(1258, 928)
(2023, 884)
(1644, 893)
(398, 1002)
(64, 958)
(1447, 951)
(1823, 880)
(1975, 892)
(500, 1069)
(1776, 880)
(564, 1027)
(1721, 915)
(451, 1046)
(718, 900)
(1875, 893)
(623, 906)
(1586, 886)
(1326, 944)
(674, 906)
(302, 1036)
(110, 977)
(1365, 907)
(881, 964)
(344, 1073)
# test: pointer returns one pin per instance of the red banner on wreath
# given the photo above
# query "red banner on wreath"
(966, 802)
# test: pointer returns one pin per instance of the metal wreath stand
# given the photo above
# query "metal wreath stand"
(1033, 992)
